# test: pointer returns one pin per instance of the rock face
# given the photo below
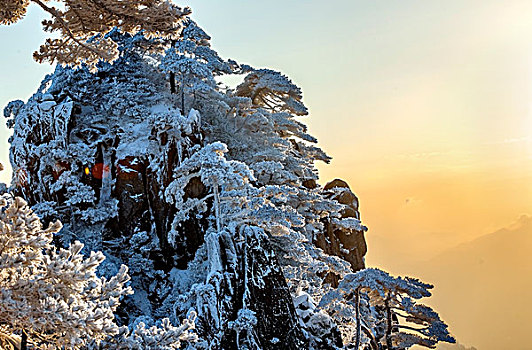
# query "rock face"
(327, 335)
(349, 245)
(271, 301)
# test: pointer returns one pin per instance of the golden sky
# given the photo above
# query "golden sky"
(433, 130)
(426, 109)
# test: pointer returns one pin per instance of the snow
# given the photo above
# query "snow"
(47, 106)
(135, 141)
(349, 224)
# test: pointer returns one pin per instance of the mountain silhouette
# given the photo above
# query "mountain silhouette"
(484, 287)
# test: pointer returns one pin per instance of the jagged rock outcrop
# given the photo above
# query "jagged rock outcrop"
(348, 244)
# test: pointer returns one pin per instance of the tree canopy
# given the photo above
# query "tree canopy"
(83, 25)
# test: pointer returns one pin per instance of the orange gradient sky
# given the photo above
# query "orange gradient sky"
(426, 109)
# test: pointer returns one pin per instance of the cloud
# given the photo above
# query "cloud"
(421, 155)
(514, 140)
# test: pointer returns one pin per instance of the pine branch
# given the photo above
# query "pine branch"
(67, 30)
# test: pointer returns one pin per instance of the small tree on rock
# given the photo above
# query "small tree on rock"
(391, 304)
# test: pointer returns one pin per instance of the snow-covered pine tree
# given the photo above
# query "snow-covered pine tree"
(385, 309)
(208, 193)
(51, 297)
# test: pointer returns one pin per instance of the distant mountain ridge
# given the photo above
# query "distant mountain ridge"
(520, 229)
(492, 289)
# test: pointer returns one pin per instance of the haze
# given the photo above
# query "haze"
(426, 110)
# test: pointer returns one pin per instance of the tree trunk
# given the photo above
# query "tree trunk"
(24, 341)
(172, 83)
(182, 86)
(107, 180)
(217, 208)
(173, 89)
(359, 325)
(372, 341)
(389, 325)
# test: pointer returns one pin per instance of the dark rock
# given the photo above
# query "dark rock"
(195, 189)
(271, 300)
(310, 183)
(335, 183)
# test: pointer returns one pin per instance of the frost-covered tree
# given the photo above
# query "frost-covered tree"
(51, 297)
(275, 104)
(82, 26)
(391, 318)
(163, 336)
(192, 66)
(235, 200)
